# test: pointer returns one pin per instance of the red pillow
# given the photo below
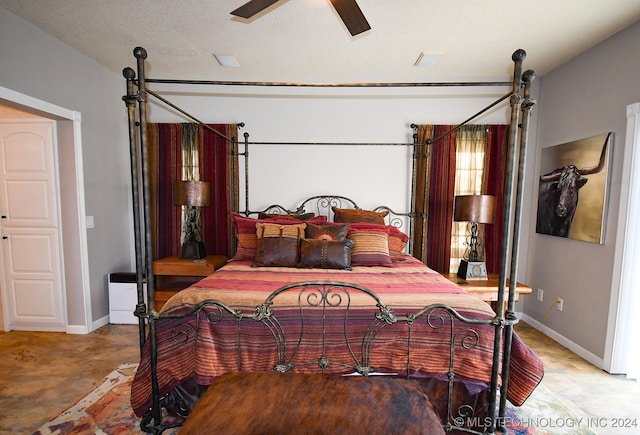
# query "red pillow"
(370, 245)
(397, 242)
(246, 237)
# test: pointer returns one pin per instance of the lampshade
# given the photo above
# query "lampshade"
(193, 193)
(480, 209)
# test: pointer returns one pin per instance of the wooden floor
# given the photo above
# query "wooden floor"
(41, 374)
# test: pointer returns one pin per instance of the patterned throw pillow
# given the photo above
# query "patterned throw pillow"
(247, 238)
(327, 232)
(397, 242)
(370, 245)
(350, 215)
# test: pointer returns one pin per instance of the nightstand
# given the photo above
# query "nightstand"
(173, 274)
(487, 289)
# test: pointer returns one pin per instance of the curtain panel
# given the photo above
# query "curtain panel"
(435, 186)
(216, 163)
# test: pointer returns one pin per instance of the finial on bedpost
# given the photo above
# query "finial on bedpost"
(129, 73)
(528, 76)
(519, 54)
(140, 53)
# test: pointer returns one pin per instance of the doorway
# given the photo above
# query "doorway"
(30, 253)
(75, 269)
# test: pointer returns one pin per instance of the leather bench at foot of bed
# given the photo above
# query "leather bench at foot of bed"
(274, 403)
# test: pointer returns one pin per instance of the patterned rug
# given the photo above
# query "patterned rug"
(107, 411)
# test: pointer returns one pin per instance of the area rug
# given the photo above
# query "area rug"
(107, 411)
(544, 413)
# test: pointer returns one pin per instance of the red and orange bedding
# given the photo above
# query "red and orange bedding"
(201, 347)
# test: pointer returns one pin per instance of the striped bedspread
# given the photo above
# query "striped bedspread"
(203, 347)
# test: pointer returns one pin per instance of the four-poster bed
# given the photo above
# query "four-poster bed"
(345, 299)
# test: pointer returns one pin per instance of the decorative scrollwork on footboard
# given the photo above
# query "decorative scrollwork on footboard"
(323, 312)
(344, 329)
(459, 337)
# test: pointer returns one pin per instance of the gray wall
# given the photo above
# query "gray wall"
(584, 97)
(40, 66)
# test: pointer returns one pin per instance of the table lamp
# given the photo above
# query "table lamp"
(192, 195)
(476, 209)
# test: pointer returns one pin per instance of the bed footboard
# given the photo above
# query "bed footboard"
(334, 328)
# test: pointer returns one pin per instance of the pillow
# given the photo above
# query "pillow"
(299, 216)
(277, 252)
(292, 231)
(348, 215)
(370, 245)
(278, 245)
(327, 232)
(246, 237)
(397, 241)
(325, 254)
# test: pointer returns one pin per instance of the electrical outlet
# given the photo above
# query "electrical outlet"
(559, 304)
(540, 294)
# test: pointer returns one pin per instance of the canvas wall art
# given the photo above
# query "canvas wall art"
(572, 189)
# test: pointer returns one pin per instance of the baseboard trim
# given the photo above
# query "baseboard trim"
(573, 347)
(100, 323)
(76, 329)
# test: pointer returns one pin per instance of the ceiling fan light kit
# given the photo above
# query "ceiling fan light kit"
(348, 10)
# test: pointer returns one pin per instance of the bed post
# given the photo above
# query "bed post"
(130, 101)
(498, 357)
(527, 105)
(140, 55)
(245, 154)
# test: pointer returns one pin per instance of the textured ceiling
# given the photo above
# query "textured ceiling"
(305, 40)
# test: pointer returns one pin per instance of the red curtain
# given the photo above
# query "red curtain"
(441, 193)
(441, 188)
(165, 166)
(215, 154)
(497, 141)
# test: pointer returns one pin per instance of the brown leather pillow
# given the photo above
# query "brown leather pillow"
(350, 215)
(277, 252)
(325, 254)
(326, 232)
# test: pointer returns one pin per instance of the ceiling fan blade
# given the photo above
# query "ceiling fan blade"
(351, 15)
(250, 8)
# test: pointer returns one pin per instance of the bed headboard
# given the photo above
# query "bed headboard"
(322, 205)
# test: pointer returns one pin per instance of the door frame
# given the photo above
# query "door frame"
(621, 309)
(72, 204)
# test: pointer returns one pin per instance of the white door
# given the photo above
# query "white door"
(33, 293)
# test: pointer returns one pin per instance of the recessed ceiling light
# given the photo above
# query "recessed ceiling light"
(227, 60)
(429, 58)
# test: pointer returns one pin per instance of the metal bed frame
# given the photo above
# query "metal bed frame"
(521, 104)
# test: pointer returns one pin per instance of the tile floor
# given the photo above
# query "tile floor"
(41, 374)
(609, 402)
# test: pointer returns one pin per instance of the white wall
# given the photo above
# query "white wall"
(371, 175)
(35, 64)
(585, 97)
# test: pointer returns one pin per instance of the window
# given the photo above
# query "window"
(471, 147)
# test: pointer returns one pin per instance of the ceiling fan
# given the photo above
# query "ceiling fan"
(348, 10)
